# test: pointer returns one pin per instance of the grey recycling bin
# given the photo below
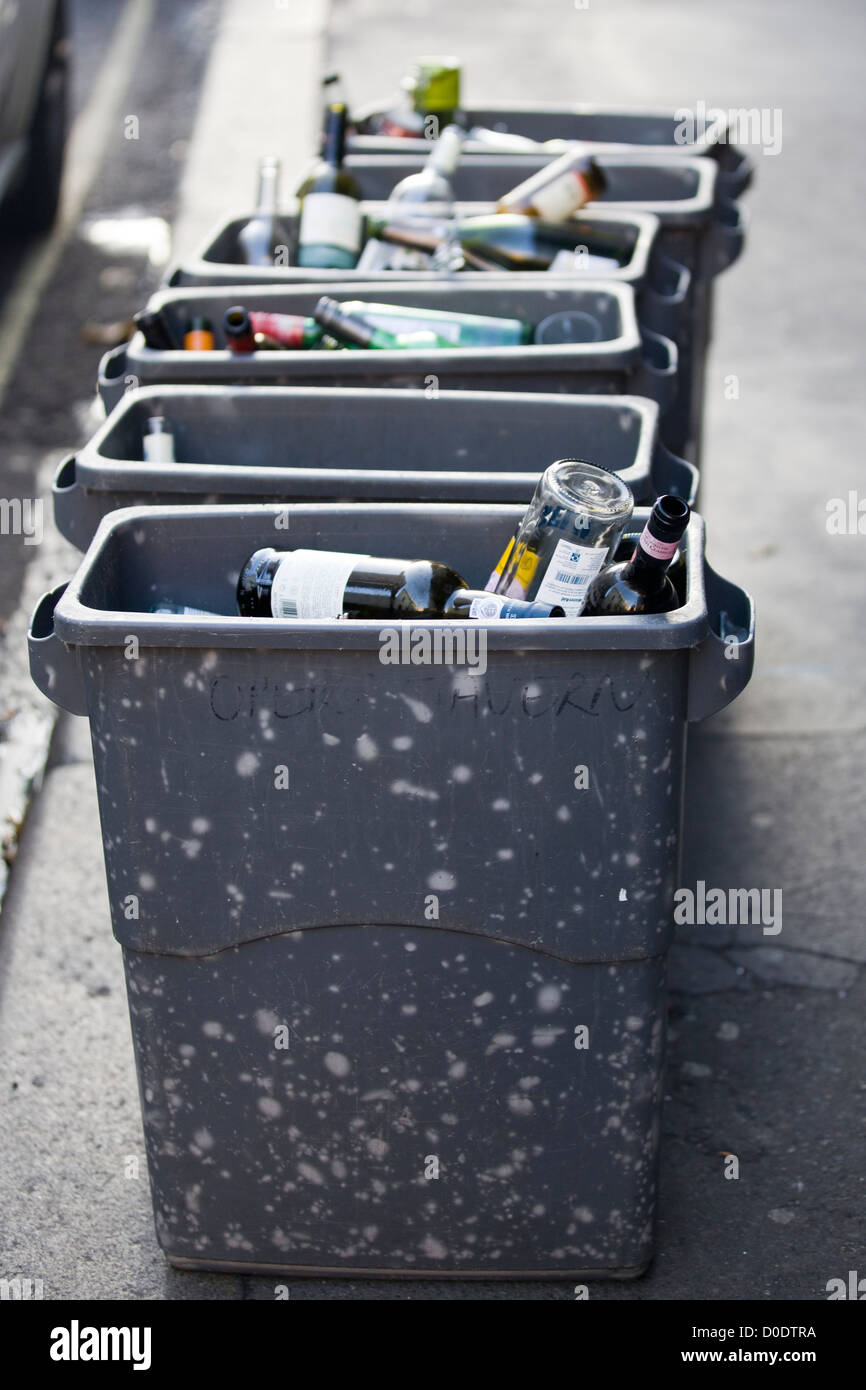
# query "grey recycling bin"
(256, 444)
(661, 284)
(701, 229)
(653, 130)
(618, 357)
(396, 973)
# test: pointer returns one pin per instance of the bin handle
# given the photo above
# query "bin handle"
(664, 294)
(726, 237)
(736, 175)
(656, 376)
(721, 667)
(67, 496)
(112, 380)
(54, 666)
(669, 473)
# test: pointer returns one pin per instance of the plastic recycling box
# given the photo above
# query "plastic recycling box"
(618, 357)
(396, 974)
(660, 283)
(702, 229)
(613, 130)
(664, 299)
(256, 444)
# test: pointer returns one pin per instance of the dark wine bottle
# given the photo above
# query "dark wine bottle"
(331, 584)
(238, 329)
(329, 232)
(642, 584)
(502, 240)
(153, 327)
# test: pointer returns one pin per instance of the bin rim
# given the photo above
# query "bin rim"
(626, 345)
(100, 471)
(670, 212)
(581, 108)
(200, 262)
(79, 625)
(699, 203)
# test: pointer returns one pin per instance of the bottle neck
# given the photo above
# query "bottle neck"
(445, 154)
(649, 564)
(346, 327)
(484, 606)
(269, 186)
(334, 145)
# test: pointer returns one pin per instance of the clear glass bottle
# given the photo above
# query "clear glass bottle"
(571, 527)
(429, 193)
(558, 190)
(259, 240)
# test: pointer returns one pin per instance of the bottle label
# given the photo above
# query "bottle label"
(659, 550)
(331, 219)
(311, 584)
(158, 448)
(571, 570)
(488, 607)
(287, 329)
(524, 573)
(561, 197)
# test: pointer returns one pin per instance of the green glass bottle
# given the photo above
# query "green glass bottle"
(329, 229)
(459, 330)
(428, 101)
(354, 331)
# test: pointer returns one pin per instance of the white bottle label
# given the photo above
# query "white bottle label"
(311, 584)
(490, 606)
(659, 550)
(158, 448)
(331, 219)
(571, 570)
(561, 197)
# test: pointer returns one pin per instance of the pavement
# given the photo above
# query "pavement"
(765, 1056)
